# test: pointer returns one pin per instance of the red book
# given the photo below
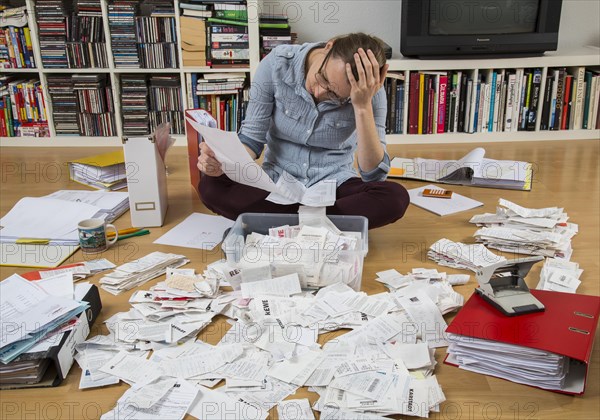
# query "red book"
(441, 120)
(431, 104)
(413, 104)
(566, 102)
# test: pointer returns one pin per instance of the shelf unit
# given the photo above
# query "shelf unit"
(74, 141)
(585, 56)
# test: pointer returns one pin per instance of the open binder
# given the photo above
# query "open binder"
(566, 328)
(473, 169)
(55, 363)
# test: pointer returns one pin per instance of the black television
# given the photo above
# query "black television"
(453, 28)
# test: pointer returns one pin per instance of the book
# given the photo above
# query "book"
(473, 169)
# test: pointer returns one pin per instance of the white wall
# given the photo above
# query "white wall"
(320, 20)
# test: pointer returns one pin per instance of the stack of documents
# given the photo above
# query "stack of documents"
(552, 353)
(111, 204)
(384, 366)
(49, 219)
(463, 256)
(104, 172)
(33, 312)
(137, 272)
(515, 363)
(518, 229)
(560, 276)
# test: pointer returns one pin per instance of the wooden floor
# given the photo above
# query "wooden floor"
(566, 175)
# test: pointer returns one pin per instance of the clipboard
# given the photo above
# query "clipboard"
(567, 327)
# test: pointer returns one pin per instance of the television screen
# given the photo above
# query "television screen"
(468, 17)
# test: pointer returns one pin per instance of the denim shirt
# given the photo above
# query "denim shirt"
(310, 141)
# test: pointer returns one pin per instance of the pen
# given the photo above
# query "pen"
(130, 235)
(124, 231)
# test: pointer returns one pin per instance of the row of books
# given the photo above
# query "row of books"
(504, 100)
(165, 102)
(274, 30)
(214, 34)
(224, 95)
(394, 89)
(16, 50)
(22, 108)
(143, 34)
(71, 36)
(571, 99)
(149, 101)
(82, 104)
(443, 102)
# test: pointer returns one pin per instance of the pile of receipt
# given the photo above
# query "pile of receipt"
(273, 345)
(513, 228)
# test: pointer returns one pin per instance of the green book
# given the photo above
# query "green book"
(227, 21)
(231, 14)
(274, 25)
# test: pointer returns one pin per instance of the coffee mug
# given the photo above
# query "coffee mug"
(92, 235)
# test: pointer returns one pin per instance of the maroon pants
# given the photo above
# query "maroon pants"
(381, 202)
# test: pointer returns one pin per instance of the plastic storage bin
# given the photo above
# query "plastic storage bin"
(311, 259)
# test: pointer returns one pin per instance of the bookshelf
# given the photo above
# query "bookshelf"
(114, 72)
(586, 57)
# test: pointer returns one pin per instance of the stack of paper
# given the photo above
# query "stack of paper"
(384, 366)
(53, 220)
(442, 206)
(463, 256)
(79, 270)
(560, 276)
(33, 312)
(515, 363)
(111, 204)
(518, 229)
(105, 171)
(137, 272)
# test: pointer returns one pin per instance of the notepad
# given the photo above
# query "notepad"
(445, 207)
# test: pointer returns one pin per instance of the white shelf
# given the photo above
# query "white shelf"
(73, 141)
(500, 137)
(585, 56)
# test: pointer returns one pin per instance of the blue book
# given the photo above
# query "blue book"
(492, 102)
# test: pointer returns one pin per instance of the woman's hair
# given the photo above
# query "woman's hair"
(344, 47)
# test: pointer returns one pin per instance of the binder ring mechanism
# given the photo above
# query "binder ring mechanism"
(577, 330)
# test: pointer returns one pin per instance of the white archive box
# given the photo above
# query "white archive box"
(146, 181)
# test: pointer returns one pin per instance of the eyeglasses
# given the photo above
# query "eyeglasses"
(325, 84)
